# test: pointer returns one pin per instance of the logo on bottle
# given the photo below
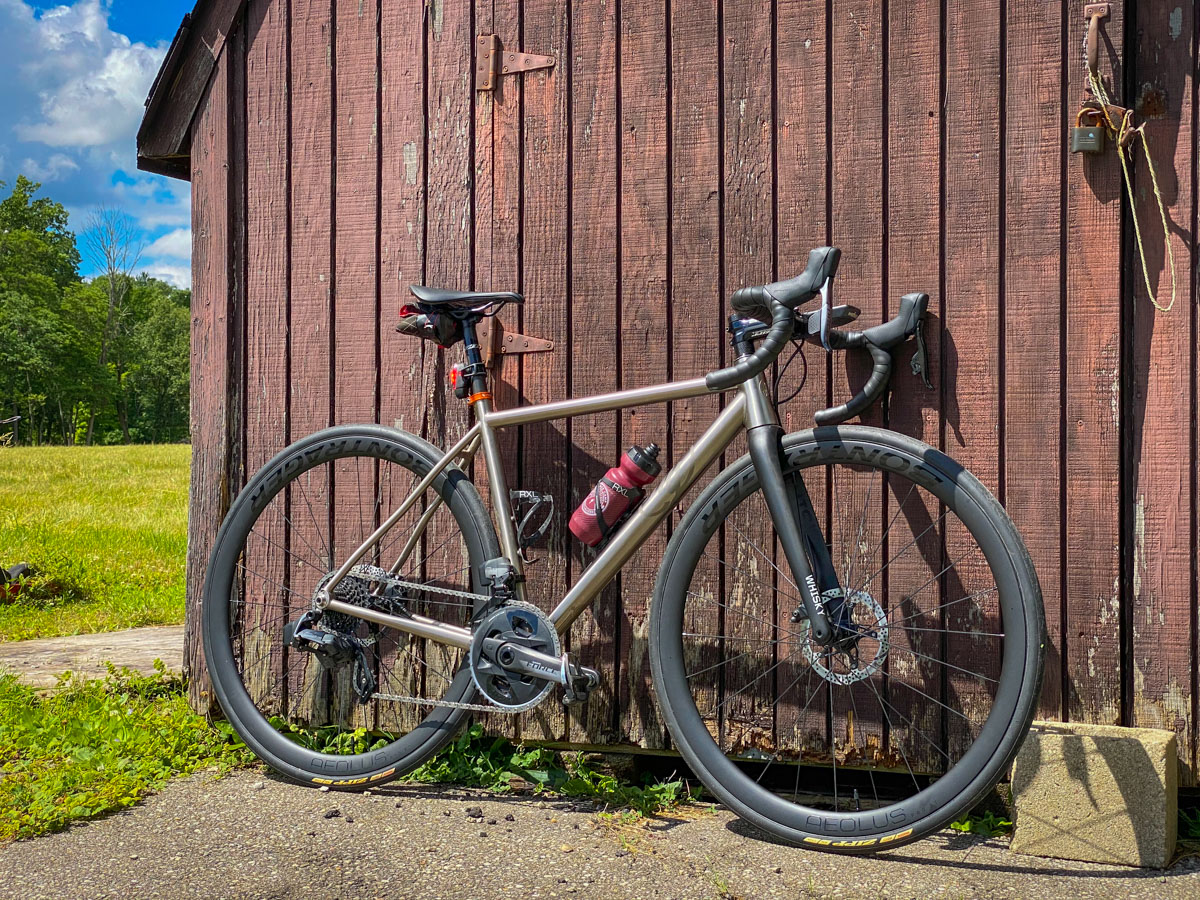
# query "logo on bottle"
(602, 491)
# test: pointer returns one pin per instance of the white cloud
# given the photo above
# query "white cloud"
(53, 169)
(176, 274)
(91, 81)
(175, 244)
(73, 92)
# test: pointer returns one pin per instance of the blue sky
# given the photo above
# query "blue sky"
(73, 78)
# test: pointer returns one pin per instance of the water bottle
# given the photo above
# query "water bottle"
(618, 492)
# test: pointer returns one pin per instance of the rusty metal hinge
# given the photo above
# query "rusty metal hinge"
(495, 341)
(491, 61)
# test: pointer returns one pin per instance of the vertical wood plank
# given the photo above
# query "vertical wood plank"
(801, 224)
(858, 127)
(408, 376)
(355, 295)
(450, 232)
(544, 449)
(310, 341)
(1158, 432)
(267, 317)
(407, 365)
(595, 347)
(1033, 267)
(645, 321)
(210, 427)
(748, 117)
(497, 168)
(973, 349)
(1093, 312)
(913, 227)
(695, 275)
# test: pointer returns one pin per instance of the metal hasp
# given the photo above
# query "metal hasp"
(1094, 12)
(495, 341)
(491, 61)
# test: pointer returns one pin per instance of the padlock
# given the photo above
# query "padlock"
(1088, 138)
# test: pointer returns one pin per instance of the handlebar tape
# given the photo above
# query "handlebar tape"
(879, 342)
(783, 320)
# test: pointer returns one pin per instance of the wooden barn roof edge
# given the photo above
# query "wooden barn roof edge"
(164, 138)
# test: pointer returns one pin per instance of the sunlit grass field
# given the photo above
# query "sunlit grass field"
(105, 530)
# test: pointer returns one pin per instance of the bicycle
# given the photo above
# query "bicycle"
(848, 673)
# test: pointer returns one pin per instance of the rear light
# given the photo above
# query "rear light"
(407, 310)
(455, 375)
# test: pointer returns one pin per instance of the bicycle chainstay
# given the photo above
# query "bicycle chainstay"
(370, 573)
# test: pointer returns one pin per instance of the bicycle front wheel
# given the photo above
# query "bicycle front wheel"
(382, 702)
(917, 709)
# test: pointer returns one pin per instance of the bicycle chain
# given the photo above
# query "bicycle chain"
(393, 581)
(449, 704)
(371, 574)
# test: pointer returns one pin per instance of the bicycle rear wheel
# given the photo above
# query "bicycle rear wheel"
(922, 705)
(304, 512)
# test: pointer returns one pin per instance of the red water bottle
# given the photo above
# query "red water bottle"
(615, 494)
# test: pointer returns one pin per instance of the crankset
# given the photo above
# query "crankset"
(515, 657)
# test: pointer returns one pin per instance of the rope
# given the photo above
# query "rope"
(1121, 131)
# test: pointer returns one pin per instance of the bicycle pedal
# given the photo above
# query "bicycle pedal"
(581, 681)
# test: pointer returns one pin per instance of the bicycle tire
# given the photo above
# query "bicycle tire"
(388, 758)
(728, 775)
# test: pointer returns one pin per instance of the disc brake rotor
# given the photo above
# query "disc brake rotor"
(846, 666)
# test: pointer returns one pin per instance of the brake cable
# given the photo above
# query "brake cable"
(799, 350)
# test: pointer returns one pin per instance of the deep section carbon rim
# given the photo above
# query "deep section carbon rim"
(308, 508)
(898, 725)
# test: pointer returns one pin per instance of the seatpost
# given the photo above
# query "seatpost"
(475, 373)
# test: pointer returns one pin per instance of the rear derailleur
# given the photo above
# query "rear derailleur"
(333, 649)
(328, 635)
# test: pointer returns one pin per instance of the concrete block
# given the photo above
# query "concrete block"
(1097, 793)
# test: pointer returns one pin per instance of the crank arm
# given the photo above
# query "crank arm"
(542, 666)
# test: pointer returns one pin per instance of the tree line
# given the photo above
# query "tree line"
(97, 361)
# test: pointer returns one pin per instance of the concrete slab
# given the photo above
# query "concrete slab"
(40, 662)
(254, 836)
(1097, 793)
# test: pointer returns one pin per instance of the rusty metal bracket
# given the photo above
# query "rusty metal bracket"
(495, 341)
(1094, 12)
(491, 61)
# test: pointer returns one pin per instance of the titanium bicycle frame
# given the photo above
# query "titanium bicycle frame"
(751, 409)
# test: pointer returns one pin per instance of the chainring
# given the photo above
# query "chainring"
(516, 623)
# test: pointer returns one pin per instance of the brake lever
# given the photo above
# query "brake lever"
(826, 307)
(920, 360)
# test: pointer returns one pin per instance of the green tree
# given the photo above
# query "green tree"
(38, 226)
(103, 360)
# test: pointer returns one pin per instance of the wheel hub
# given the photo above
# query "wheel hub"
(513, 623)
(860, 642)
(365, 586)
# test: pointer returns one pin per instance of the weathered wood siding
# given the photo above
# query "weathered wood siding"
(675, 152)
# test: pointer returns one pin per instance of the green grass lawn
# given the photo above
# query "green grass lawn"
(105, 529)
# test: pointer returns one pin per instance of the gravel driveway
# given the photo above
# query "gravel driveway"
(250, 836)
